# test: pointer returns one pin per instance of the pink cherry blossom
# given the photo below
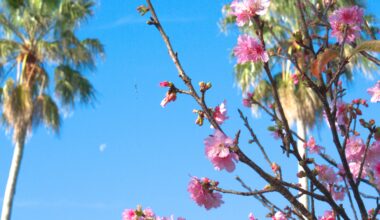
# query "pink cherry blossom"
(373, 155)
(377, 169)
(326, 174)
(279, 216)
(251, 217)
(377, 174)
(250, 49)
(129, 214)
(148, 213)
(220, 113)
(247, 101)
(355, 148)
(218, 151)
(244, 10)
(312, 146)
(375, 92)
(355, 169)
(328, 215)
(170, 97)
(341, 115)
(350, 17)
(201, 193)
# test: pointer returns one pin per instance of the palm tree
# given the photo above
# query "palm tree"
(38, 42)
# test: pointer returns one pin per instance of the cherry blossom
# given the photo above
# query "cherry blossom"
(279, 216)
(250, 49)
(244, 10)
(129, 214)
(312, 146)
(328, 215)
(326, 174)
(348, 17)
(220, 113)
(375, 92)
(251, 216)
(218, 151)
(170, 97)
(354, 148)
(201, 193)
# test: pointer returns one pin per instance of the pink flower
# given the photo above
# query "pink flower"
(375, 92)
(295, 78)
(355, 148)
(244, 10)
(350, 17)
(251, 217)
(279, 216)
(247, 101)
(341, 114)
(170, 97)
(250, 49)
(377, 169)
(312, 147)
(355, 169)
(220, 113)
(201, 193)
(275, 167)
(373, 154)
(148, 213)
(377, 175)
(218, 151)
(328, 215)
(326, 174)
(165, 84)
(129, 214)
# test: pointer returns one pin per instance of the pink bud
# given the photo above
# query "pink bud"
(165, 84)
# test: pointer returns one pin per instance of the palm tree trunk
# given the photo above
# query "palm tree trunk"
(12, 178)
(301, 132)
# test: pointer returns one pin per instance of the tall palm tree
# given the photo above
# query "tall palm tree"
(38, 42)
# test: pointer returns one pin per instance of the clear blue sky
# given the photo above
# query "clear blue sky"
(127, 150)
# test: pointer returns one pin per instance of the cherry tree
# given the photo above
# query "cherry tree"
(315, 45)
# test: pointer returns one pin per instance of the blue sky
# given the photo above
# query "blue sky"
(127, 150)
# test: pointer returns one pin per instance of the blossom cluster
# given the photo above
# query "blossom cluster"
(144, 214)
(346, 22)
(201, 192)
(249, 49)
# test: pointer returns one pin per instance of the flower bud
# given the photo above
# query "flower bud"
(166, 84)
(301, 174)
(372, 122)
(275, 167)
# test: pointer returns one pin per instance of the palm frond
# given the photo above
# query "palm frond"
(46, 110)
(70, 84)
